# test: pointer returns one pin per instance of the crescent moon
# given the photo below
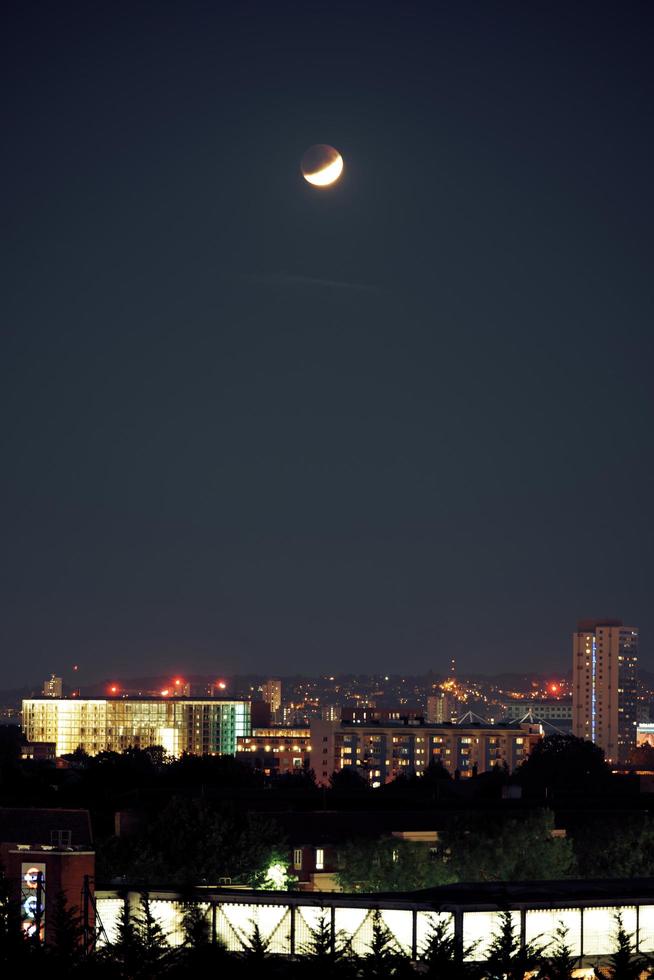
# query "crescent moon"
(327, 175)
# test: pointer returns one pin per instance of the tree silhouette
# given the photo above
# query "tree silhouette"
(384, 957)
(125, 950)
(564, 763)
(559, 962)
(14, 948)
(67, 935)
(625, 963)
(324, 955)
(507, 958)
(443, 959)
(140, 950)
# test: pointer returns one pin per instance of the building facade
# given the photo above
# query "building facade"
(552, 714)
(209, 726)
(440, 708)
(271, 692)
(276, 750)
(604, 692)
(53, 687)
(383, 751)
(47, 854)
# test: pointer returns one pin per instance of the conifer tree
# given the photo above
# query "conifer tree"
(66, 950)
(559, 963)
(625, 963)
(507, 958)
(325, 955)
(256, 947)
(256, 957)
(125, 951)
(156, 954)
(442, 958)
(384, 957)
(13, 946)
(200, 954)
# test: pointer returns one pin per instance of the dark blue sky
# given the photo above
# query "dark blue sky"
(249, 425)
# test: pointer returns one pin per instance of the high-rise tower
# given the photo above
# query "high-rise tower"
(604, 671)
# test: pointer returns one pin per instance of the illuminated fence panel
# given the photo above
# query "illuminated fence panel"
(236, 920)
(230, 928)
(280, 937)
(600, 927)
(348, 922)
(235, 925)
(479, 930)
(108, 910)
(170, 916)
(426, 922)
(307, 922)
(646, 928)
(400, 923)
(362, 938)
(541, 926)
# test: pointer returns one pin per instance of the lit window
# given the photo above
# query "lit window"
(320, 859)
(297, 858)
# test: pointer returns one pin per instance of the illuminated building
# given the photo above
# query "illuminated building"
(271, 691)
(367, 713)
(604, 675)
(645, 734)
(45, 854)
(552, 714)
(331, 712)
(276, 749)
(204, 726)
(472, 914)
(383, 751)
(440, 707)
(53, 687)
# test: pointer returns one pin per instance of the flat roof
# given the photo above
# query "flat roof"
(143, 697)
(472, 896)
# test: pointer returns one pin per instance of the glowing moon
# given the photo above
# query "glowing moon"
(322, 165)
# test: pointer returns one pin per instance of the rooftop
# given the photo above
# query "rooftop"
(19, 825)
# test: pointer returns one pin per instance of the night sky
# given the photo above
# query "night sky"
(249, 425)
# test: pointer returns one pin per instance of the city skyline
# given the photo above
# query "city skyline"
(250, 418)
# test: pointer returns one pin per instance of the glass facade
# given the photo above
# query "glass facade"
(199, 727)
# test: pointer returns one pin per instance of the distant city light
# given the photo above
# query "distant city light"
(113, 689)
(221, 685)
(165, 692)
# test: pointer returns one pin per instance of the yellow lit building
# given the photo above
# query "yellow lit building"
(382, 752)
(197, 726)
(277, 749)
(271, 691)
